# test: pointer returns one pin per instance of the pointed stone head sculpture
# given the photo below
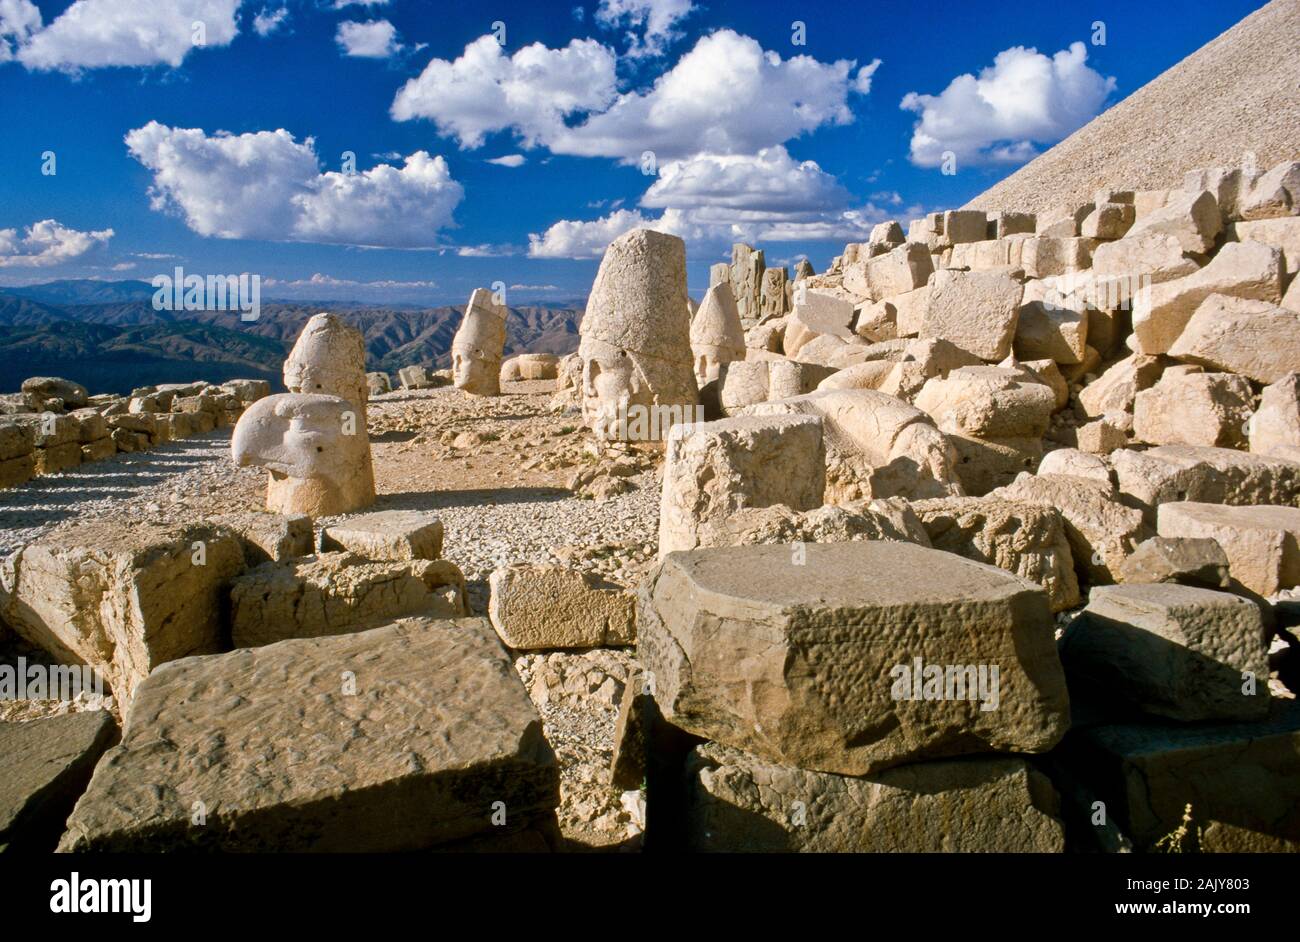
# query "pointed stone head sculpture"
(716, 334)
(478, 346)
(636, 345)
(329, 359)
(315, 450)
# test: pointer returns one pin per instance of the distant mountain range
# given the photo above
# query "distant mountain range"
(107, 335)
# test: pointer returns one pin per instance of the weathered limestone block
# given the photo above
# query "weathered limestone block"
(1282, 234)
(315, 449)
(1258, 340)
(1022, 538)
(395, 739)
(1275, 426)
(52, 459)
(891, 519)
(535, 608)
(977, 311)
(269, 537)
(717, 336)
(899, 270)
(964, 225)
(1240, 270)
(1117, 388)
(534, 366)
(1107, 434)
(415, 377)
(378, 383)
(1194, 409)
(1003, 224)
(328, 359)
(823, 312)
(739, 803)
(988, 402)
(387, 534)
(1101, 530)
(47, 766)
(339, 593)
(98, 450)
(1196, 561)
(1063, 222)
(1227, 186)
(743, 383)
(1174, 651)
(1045, 257)
(636, 344)
(984, 464)
(479, 344)
(1241, 780)
(40, 388)
(1276, 193)
(1108, 221)
(1143, 256)
(1075, 463)
(810, 665)
(122, 598)
(1051, 325)
(248, 390)
(876, 445)
(719, 468)
(1207, 475)
(17, 438)
(1192, 219)
(1260, 541)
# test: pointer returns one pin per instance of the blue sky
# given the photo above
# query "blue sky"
(227, 156)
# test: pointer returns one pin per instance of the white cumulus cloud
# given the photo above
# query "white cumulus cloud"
(266, 185)
(376, 39)
(97, 33)
(771, 183)
(713, 200)
(18, 20)
(1024, 99)
(726, 96)
(653, 22)
(531, 92)
(509, 160)
(268, 21)
(46, 243)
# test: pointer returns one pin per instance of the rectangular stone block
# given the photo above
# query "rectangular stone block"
(739, 803)
(123, 598)
(417, 735)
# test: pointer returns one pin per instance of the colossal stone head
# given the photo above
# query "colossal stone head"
(315, 449)
(478, 346)
(635, 346)
(716, 334)
(329, 359)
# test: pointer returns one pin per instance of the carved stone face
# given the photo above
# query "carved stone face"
(474, 371)
(611, 382)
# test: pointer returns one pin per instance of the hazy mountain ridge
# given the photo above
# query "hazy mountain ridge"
(122, 335)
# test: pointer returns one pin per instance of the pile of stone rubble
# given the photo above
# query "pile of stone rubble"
(983, 539)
